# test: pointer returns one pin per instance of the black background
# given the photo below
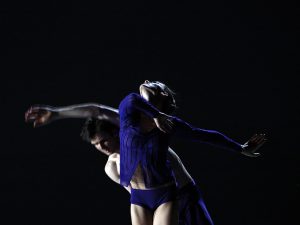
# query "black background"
(230, 64)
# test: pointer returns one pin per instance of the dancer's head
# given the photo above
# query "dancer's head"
(102, 134)
(159, 95)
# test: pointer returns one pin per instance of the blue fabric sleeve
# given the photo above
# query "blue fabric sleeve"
(133, 102)
(185, 130)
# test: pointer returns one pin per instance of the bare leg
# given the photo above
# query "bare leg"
(140, 215)
(166, 214)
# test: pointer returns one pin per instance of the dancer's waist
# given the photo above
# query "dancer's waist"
(142, 186)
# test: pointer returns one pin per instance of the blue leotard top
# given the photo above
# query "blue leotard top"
(150, 149)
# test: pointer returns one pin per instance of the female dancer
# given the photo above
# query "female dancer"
(143, 151)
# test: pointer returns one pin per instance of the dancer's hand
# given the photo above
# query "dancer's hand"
(253, 144)
(40, 115)
(164, 122)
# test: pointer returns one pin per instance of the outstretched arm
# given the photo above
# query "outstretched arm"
(218, 139)
(42, 115)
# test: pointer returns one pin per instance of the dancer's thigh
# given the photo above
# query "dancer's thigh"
(166, 214)
(140, 215)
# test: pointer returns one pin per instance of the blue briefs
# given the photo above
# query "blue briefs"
(152, 199)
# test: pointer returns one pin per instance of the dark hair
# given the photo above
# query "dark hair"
(170, 104)
(92, 126)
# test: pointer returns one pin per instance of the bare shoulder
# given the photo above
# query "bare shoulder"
(112, 168)
(110, 164)
(112, 160)
(114, 157)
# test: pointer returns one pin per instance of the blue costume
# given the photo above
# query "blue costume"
(152, 199)
(149, 150)
(191, 207)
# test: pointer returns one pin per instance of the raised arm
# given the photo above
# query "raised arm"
(133, 103)
(42, 115)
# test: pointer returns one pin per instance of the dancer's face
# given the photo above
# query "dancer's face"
(152, 91)
(106, 143)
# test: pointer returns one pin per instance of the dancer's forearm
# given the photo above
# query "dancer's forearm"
(211, 137)
(88, 110)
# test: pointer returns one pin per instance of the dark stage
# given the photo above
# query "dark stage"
(229, 63)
